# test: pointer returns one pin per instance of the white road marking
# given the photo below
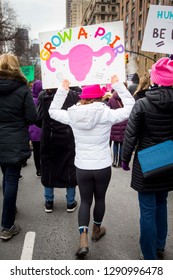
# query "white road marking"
(28, 246)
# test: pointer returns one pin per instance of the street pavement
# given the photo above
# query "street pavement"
(55, 235)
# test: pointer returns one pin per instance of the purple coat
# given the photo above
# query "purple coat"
(35, 131)
(117, 130)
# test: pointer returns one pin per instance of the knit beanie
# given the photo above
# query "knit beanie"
(92, 91)
(36, 88)
(162, 72)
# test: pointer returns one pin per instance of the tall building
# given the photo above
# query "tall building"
(1, 31)
(68, 13)
(134, 14)
(22, 44)
(101, 11)
(78, 8)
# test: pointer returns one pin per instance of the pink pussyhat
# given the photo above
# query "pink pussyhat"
(107, 88)
(162, 72)
(90, 92)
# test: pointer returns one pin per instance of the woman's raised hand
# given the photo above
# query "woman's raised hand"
(114, 79)
(65, 84)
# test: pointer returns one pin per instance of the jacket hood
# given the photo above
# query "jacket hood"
(8, 86)
(10, 81)
(86, 116)
(36, 88)
(161, 97)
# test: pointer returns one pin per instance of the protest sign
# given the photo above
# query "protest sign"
(28, 71)
(83, 55)
(158, 35)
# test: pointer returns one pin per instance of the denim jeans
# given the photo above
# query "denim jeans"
(153, 223)
(10, 181)
(117, 149)
(70, 194)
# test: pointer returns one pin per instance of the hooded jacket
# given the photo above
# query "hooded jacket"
(17, 111)
(150, 122)
(117, 130)
(35, 131)
(91, 125)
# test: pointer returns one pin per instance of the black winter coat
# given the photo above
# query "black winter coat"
(57, 145)
(150, 122)
(17, 112)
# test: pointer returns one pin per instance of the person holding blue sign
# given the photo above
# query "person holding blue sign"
(150, 123)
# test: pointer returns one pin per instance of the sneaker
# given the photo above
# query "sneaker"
(38, 174)
(48, 206)
(141, 256)
(160, 254)
(7, 234)
(114, 164)
(20, 177)
(72, 207)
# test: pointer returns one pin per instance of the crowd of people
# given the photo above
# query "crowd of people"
(71, 131)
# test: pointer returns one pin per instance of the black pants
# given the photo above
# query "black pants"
(92, 183)
(36, 154)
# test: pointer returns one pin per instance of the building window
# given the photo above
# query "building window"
(133, 13)
(140, 35)
(126, 32)
(102, 8)
(127, 6)
(113, 9)
(102, 17)
(140, 20)
(127, 19)
(140, 4)
(132, 42)
(126, 45)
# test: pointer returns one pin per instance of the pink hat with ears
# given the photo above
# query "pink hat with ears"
(92, 91)
(162, 72)
(107, 88)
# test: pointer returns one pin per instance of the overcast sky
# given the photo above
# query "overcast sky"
(40, 15)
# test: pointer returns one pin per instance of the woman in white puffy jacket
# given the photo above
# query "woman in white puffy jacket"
(91, 121)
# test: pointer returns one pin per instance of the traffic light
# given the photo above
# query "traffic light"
(126, 58)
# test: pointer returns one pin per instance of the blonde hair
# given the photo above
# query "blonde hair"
(9, 63)
(144, 83)
(89, 101)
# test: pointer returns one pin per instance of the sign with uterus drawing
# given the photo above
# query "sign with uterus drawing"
(84, 55)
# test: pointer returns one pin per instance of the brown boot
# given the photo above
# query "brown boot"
(98, 232)
(83, 245)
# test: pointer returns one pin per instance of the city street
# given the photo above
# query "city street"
(55, 235)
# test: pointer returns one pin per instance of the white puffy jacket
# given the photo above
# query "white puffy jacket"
(91, 125)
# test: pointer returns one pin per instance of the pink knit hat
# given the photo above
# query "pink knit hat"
(93, 91)
(162, 72)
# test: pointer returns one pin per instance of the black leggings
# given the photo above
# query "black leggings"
(92, 183)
